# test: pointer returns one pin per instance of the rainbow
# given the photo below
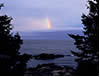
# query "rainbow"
(49, 23)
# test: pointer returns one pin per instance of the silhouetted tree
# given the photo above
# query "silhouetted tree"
(88, 44)
(11, 62)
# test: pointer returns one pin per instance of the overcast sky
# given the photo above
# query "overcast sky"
(29, 15)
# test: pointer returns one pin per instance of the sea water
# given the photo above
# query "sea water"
(49, 42)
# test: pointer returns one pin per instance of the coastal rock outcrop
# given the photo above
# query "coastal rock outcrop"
(46, 56)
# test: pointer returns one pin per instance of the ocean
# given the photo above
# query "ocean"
(49, 42)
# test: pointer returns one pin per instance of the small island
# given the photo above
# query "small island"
(46, 56)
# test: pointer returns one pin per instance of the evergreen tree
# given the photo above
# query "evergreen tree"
(88, 44)
(11, 62)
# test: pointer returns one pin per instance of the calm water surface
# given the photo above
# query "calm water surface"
(35, 47)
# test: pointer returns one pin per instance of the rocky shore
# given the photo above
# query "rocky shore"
(49, 70)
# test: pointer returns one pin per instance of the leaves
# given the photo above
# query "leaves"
(89, 43)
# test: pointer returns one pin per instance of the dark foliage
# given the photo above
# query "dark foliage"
(11, 62)
(88, 44)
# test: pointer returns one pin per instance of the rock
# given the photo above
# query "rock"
(45, 56)
(50, 70)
